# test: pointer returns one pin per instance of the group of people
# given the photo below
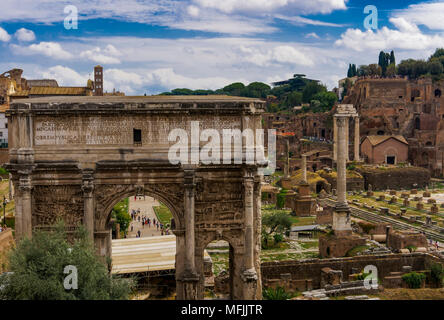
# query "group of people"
(137, 218)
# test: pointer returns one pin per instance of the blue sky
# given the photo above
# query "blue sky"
(150, 46)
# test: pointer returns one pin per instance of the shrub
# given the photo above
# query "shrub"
(276, 294)
(38, 264)
(278, 238)
(414, 280)
(437, 274)
(411, 248)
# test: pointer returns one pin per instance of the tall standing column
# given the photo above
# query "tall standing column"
(304, 168)
(249, 275)
(341, 216)
(347, 138)
(335, 140)
(257, 231)
(341, 162)
(248, 204)
(189, 222)
(88, 204)
(25, 187)
(357, 139)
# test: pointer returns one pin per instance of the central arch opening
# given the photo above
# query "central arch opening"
(144, 246)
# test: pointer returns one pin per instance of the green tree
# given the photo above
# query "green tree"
(326, 101)
(438, 53)
(38, 265)
(382, 61)
(311, 90)
(391, 71)
(392, 59)
(354, 70)
(257, 90)
(349, 71)
(435, 67)
(120, 213)
(374, 70)
(234, 89)
(278, 222)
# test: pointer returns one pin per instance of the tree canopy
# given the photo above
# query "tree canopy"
(37, 268)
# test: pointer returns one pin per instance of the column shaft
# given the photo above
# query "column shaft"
(347, 139)
(189, 229)
(335, 139)
(357, 139)
(304, 168)
(249, 236)
(25, 203)
(341, 162)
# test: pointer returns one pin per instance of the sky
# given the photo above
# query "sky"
(152, 46)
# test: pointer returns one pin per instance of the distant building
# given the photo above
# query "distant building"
(3, 128)
(385, 149)
(98, 81)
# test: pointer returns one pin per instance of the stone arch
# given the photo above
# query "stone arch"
(236, 251)
(132, 190)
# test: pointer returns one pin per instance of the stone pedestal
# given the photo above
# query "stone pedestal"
(419, 206)
(406, 203)
(303, 203)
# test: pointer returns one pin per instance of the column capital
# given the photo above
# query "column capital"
(341, 121)
(87, 182)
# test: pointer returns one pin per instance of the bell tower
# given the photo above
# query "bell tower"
(98, 81)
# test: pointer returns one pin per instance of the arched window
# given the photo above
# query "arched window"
(438, 93)
(429, 143)
(380, 133)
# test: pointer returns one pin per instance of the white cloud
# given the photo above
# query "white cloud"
(269, 6)
(49, 49)
(227, 16)
(25, 35)
(312, 35)
(429, 14)
(193, 11)
(4, 36)
(283, 54)
(65, 76)
(407, 36)
(100, 56)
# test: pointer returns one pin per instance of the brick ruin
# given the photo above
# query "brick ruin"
(390, 106)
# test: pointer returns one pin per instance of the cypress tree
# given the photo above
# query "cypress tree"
(392, 58)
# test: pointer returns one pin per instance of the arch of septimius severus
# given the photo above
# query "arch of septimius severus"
(75, 158)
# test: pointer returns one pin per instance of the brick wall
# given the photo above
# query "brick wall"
(311, 269)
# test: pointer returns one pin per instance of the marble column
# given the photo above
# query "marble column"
(257, 230)
(304, 168)
(25, 187)
(88, 204)
(341, 216)
(357, 139)
(335, 139)
(249, 215)
(347, 138)
(189, 185)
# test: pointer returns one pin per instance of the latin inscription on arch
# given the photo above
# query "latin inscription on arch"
(105, 130)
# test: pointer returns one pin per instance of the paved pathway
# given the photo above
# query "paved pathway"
(147, 211)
